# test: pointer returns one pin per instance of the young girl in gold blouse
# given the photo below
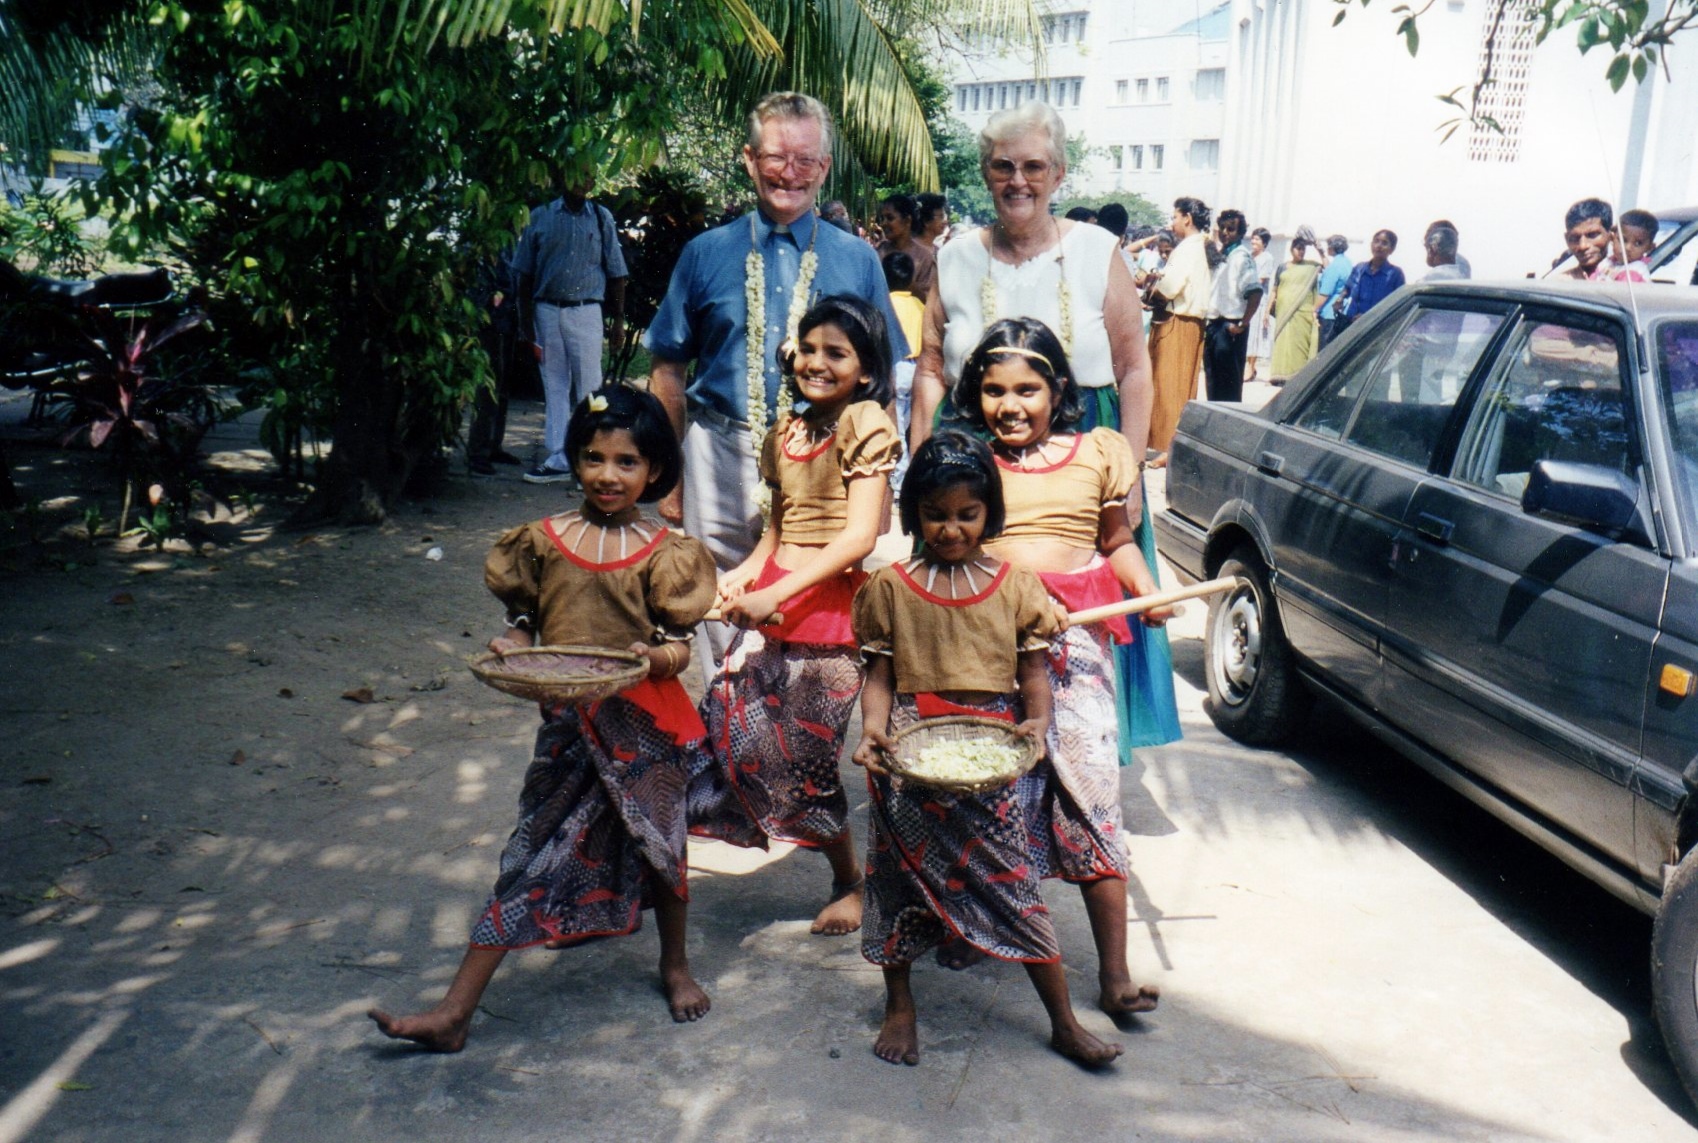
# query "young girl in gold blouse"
(601, 828)
(779, 709)
(953, 631)
(1066, 497)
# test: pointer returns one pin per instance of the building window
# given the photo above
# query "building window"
(961, 98)
(1161, 89)
(1205, 154)
(1121, 87)
(1032, 90)
(1211, 85)
(975, 97)
(1083, 16)
(1156, 151)
(1117, 156)
(1495, 134)
(1143, 91)
(1078, 87)
(1137, 156)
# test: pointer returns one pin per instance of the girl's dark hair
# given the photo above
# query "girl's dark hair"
(948, 458)
(1262, 233)
(622, 407)
(1067, 403)
(864, 326)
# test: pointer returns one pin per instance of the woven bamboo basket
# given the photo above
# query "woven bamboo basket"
(563, 673)
(906, 745)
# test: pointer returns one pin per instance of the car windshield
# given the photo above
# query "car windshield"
(1677, 380)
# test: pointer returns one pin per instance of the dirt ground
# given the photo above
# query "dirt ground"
(248, 789)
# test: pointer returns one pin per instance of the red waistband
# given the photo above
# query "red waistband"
(929, 705)
(818, 615)
(669, 704)
(1090, 586)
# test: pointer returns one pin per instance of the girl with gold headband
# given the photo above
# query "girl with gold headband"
(1065, 492)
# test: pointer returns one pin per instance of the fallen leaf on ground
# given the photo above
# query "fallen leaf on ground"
(120, 597)
(39, 780)
(238, 758)
(285, 692)
(359, 694)
(73, 1085)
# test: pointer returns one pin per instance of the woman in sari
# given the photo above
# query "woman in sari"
(1295, 330)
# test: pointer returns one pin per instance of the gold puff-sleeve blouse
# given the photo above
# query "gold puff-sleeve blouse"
(810, 479)
(941, 644)
(1063, 500)
(654, 594)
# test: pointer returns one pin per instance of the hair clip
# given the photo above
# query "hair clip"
(1021, 351)
(598, 403)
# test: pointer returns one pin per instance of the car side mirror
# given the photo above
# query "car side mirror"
(1587, 496)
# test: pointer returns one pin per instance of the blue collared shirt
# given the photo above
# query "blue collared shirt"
(703, 316)
(1332, 283)
(1368, 289)
(569, 254)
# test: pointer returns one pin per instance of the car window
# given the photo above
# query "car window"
(1676, 254)
(1328, 411)
(1397, 403)
(1554, 395)
(1677, 382)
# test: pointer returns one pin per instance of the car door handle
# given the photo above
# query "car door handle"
(1434, 528)
(1271, 463)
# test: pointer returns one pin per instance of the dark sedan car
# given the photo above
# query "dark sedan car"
(1474, 522)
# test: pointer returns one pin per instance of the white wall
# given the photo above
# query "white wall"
(1338, 128)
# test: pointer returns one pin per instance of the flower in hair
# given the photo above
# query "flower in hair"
(598, 403)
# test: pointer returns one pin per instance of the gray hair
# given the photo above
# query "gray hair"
(1029, 118)
(1442, 240)
(790, 105)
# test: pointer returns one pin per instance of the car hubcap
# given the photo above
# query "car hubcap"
(1237, 646)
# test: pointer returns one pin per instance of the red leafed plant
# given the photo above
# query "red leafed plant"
(149, 410)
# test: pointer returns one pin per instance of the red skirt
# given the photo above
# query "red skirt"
(818, 615)
(1093, 585)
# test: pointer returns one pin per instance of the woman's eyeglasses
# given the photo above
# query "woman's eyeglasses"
(1004, 169)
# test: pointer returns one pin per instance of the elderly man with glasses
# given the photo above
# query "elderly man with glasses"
(735, 296)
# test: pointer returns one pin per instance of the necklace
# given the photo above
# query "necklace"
(1022, 457)
(640, 527)
(987, 288)
(966, 570)
(754, 292)
(806, 437)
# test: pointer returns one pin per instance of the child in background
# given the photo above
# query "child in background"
(1066, 497)
(1638, 237)
(779, 709)
(954, 631)
(911, 313)
(601, 814)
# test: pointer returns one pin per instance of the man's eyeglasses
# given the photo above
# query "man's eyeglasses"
(1004, 169)
(773, 165)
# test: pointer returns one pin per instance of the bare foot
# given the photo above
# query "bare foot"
(958, 954)
(843, 913)
(683, 995)
(1083, 1048)
(1120, 997)
(899, 1038)
(438, 1029)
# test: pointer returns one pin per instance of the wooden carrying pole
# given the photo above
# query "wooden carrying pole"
(1145, 603)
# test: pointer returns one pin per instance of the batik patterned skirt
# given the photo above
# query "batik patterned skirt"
(944, 865)
(776, 717)
(601, 827)
(1071, 800)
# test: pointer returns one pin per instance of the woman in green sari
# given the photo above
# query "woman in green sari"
(1295, 331)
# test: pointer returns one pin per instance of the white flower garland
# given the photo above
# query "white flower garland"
(987, 291)
(754, 293)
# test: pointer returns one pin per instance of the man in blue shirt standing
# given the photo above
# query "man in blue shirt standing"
(778, 259)
(569, 264)
(1333, 279)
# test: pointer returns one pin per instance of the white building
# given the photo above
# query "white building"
(1339, 128)
(1145, 84)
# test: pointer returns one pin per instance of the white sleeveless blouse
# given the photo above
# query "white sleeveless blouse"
(1031, 289)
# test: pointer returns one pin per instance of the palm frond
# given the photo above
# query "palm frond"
(48, 72)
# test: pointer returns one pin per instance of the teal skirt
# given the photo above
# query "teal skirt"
(1143, 669)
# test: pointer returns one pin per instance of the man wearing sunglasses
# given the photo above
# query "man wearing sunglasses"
(759, 261)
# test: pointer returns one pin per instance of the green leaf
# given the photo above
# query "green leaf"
(1617, 73)
(1640, 69)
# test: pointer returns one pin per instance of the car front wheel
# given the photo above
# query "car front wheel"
(1255, 695)
(1674, 970)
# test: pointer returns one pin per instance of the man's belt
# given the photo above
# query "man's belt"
(568, 305)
